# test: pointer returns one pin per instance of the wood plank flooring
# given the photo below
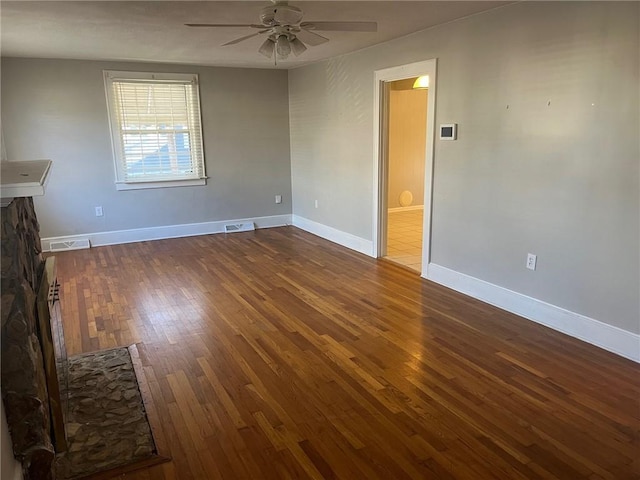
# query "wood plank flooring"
(275, 354)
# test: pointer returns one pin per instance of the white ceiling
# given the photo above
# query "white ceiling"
(154, 31)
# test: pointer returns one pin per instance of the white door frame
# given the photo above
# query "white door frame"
(427, 67)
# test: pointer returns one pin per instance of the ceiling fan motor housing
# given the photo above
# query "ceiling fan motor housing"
(289, 13)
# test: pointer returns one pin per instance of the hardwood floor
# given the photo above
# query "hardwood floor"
(276, 354)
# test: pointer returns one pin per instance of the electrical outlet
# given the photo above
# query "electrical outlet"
(278, 198)
(316, 203)
(531, 261)
(99, 212)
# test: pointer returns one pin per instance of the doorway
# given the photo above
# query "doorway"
(405, 157)
(404, 127)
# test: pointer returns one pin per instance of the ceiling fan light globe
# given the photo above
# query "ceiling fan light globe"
(283, 47)
(297, 47)
(267, 48)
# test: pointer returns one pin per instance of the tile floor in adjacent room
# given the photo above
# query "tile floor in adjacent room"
(404, 238)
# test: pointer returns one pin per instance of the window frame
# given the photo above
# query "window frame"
(121, 181)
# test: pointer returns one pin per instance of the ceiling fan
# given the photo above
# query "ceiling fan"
(287, 33)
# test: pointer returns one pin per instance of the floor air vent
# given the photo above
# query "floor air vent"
(69, 245)
(239, 227)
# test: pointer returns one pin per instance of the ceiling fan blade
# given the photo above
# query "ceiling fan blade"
(311, 38)
(287, 15)
(242, 39)
(297, 47)
(267, 48)
(341, 26)
(235, 25)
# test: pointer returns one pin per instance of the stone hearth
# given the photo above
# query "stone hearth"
(106, 423)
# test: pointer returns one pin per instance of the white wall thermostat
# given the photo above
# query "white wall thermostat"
(448, 131)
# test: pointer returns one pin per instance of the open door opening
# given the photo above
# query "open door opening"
(404, 164)
(405, 158)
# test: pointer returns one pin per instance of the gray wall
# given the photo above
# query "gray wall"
(406, 145)
(558, 180)
(57, 109)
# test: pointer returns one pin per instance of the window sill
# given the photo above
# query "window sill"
(162, 184)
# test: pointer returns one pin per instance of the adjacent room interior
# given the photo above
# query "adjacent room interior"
(405, 154)
(291, 259)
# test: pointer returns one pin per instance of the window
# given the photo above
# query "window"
(155, 129)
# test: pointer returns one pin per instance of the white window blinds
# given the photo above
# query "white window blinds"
(155, 126)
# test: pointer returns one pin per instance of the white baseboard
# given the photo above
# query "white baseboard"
(333, 235)
(170, 231)
(595, 332)
(405, 209)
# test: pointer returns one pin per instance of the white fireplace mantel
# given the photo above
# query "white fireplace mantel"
(23, 179)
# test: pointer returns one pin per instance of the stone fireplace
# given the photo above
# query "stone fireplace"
(68, 418)
(24, 384)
